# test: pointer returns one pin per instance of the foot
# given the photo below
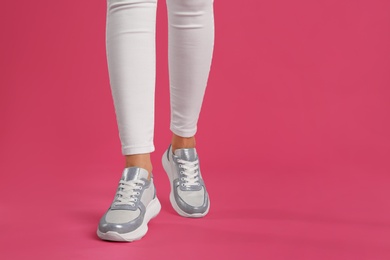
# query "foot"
(188, 195)
(135, 203)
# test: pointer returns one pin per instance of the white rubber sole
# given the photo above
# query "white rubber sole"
(168, 169)
(152, 211)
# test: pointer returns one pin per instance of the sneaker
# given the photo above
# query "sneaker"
(188, 195)
(135, 203)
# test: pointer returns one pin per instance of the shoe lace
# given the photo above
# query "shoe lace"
(128, 192)
(189, 172)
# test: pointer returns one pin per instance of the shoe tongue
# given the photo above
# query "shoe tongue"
(134, 173)
(187, 154)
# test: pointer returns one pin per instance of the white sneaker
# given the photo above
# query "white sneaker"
(135, 203)
(188, 195)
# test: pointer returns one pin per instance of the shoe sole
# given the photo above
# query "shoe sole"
(168, 169)
(152, 211)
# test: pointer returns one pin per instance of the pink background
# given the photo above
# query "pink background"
(293, 136)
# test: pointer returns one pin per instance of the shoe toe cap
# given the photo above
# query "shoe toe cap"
(120, 221)
(192, 202)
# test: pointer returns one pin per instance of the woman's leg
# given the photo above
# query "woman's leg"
(191, 42)
(130, 44)
(131, 62)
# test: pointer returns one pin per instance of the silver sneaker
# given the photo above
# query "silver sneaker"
(135, 203)
(188, 195)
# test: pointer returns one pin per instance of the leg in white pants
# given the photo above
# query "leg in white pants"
(130, 42)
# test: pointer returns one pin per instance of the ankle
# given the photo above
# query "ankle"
(139, 160)
(179, 142)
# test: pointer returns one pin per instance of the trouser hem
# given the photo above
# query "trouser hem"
(182, 133)
(130, 150)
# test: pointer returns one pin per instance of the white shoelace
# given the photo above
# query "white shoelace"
(190, 172)
(128, 192)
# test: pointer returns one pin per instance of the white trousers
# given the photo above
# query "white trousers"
(131, 58)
